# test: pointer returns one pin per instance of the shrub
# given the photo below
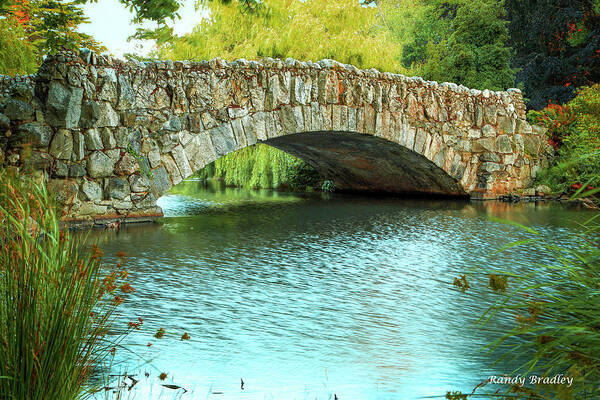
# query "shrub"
(574, 129)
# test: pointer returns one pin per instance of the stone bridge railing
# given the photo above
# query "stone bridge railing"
(113, 136)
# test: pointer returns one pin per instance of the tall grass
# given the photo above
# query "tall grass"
(556, 311)
(557, 318)
(55, 308)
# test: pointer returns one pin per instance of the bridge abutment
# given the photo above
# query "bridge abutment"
(112, 136)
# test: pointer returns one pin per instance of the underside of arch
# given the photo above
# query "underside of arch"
(360, 162)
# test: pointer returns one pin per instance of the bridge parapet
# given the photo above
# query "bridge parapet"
(112, 136)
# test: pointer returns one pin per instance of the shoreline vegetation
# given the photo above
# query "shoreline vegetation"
(59, 303)
(56, 307)
(556, 309)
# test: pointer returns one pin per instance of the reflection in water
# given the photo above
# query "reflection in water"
(306, 296)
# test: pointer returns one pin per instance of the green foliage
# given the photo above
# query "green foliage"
(429, 23)
(49, 25)
(154, 10)
(579, 152)
(55, 309)
(328, 186)
(309, 30)
(17, 55)
(475, 53)
(557, 119)
(261, 166)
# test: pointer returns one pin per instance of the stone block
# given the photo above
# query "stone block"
(490, 167)
(78, 146)
(529, 192)
(223, 139)
(488, 131)
(93, 140)
(117, 188)
(91, 190)
(139, 183)
(96, 114)
(506, 125)
(92, 209)
(485, 144)
(77, 171)
(160, 180)
(108, 139)
(63, 105)
(172, 168)
(181, 160)
(503, 144)
(60, 169)
(543, 190)
(61, 146)
(100, 165)
(127, 165)
(35, 133)
(18, 110)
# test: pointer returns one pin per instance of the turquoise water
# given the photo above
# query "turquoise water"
(307, 296)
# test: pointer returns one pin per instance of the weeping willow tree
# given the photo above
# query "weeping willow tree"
(262, 166)
(305, 30)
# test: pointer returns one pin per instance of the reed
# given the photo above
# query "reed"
(556, 313)
(55, 307)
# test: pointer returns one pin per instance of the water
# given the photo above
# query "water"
(307, 296)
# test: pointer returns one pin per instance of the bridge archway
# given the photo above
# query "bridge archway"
(113, 136)
(360, 162)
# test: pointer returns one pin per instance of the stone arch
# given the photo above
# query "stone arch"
(112, 136)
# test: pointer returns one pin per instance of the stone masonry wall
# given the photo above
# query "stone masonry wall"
(113, 136)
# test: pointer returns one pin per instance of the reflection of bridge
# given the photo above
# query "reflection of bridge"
(114, 136)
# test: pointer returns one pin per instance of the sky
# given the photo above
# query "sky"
(110, 24)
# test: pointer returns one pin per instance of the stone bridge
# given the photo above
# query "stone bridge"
(112, 136)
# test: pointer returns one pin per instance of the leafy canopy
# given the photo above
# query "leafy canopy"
(17, 55)
(463, 42)
(575, 131)
(33, 28)
(305, 30)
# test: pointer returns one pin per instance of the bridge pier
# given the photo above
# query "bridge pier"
(111, 136)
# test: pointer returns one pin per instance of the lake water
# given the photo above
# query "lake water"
(307, 296)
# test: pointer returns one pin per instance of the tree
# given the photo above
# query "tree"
(52, 25)
(476, 54)
(40, 27)
(431, 24)
(305, 30)
(17, 55)
(557, 45)
(462, 42)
